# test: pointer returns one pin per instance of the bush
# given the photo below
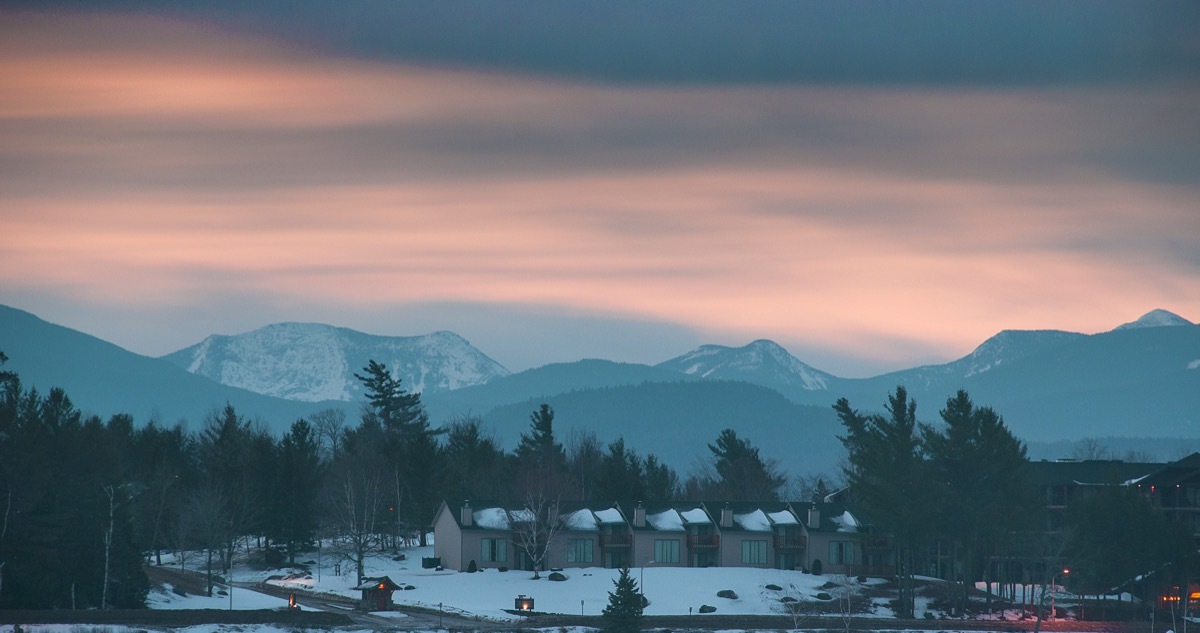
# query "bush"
(705, 608)
(824, 595)
(774, 587)
(556, 576)
(472, 568)
(816, 568)
(787, 599)
(727, 593)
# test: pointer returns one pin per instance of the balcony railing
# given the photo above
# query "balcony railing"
(791, 541)
(704, 540)
(616, 539)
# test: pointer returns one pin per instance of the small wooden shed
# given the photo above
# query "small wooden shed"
(376, 593)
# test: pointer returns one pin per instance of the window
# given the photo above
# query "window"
(579, 550)
(754, 552)
(495, 550)
(841, 552)
(666, 550)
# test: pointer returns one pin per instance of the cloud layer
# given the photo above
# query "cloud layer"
(152, 166)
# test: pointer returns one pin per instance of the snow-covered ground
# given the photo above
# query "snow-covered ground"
(670, 590)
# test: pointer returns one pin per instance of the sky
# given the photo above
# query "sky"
(871, 185)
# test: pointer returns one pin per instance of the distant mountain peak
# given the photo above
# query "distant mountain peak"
(313, 361)
(762, 362)
(1155, 318)
(1008, 346)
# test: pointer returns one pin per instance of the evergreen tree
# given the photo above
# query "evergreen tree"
(409, 446)
(300, 471)
(624, 611)
(475, 465)
(741, 472)
(980, 483)
(542, 462)
(886, 470)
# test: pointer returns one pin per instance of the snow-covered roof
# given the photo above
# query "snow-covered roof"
(696, 515)
(491, 518)
(846, 522)
(783, 517)
(609, 515)
(581, 520)
(755, 521)
(524, 515)
(668, 521)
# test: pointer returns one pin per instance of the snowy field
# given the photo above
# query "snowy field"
(670, 590)
(487, 594)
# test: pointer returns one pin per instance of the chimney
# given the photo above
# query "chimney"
(639, 516)
(465, 516)
(726, 516)
(814, 518)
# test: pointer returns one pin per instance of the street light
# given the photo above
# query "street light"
(642, 577)
(1053, 582)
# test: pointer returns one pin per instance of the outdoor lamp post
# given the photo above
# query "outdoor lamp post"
(1053, 583)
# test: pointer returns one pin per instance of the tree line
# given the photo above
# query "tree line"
(84, 502)
(957, 499)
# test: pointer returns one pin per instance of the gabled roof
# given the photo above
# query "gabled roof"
(1186, 470)
(502, 516)
(1088, 472)
(381, 582)
(749, 516)
(834, 517)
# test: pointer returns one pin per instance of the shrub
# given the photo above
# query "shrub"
(472, 568)
(816, 568)
(824, 595)
(727, 593)
(774, 587)
(705, 608)
(556, 576)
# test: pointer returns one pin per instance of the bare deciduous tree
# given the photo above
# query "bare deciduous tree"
(534, 528)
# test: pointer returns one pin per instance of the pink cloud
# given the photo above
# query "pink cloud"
(195, 162)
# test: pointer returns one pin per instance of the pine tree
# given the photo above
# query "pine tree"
(887, 471)
(542, 461)
(743, 473)
(624, 611)
(409, 445)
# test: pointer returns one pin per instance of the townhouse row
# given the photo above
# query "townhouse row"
(630, 534)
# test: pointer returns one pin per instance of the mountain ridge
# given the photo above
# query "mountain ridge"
(1050, 385)
(313, 362)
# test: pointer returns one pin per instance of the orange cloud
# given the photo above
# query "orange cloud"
(160, 162)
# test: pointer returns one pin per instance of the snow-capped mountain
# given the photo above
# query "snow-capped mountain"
(762, 362)
(312, 362)
(1156, 318)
